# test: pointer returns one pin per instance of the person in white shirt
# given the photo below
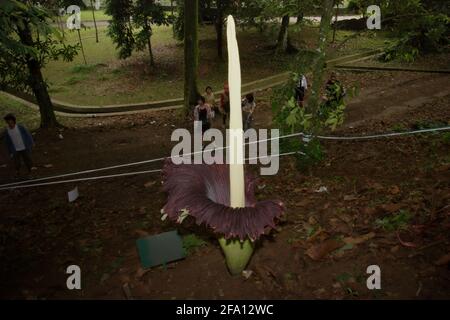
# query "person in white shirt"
(19, 143)
(300, 90)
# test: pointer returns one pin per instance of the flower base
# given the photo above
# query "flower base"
(237, 254)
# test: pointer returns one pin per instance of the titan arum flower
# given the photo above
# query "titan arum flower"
(220, 195)
(203, 192)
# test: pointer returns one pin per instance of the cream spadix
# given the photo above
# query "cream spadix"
(237, 187)
(237, 253)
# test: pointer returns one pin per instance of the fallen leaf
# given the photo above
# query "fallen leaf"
(149, 184)
(247, 274)
(319, 251)
(394, 249)
(340, 226)
(360, 239)
(394, 190)
(127, 291)
(375, 186)
(391, 207)
(350, 198)
(406, 243)
(321, 190)
(369, 211)
(445, 259)
(141, 272)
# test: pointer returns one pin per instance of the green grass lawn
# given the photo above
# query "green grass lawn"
(109, 80)
(100, 15)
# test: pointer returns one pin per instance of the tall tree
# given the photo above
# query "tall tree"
(218, 23)
(319, 66)
(131, 25)
(337, 3)
(215, 10)
(273, 9)
(28, 43)
(93, 17)
(120, 28)
(191, 92)
(283, 40)
(145, 14)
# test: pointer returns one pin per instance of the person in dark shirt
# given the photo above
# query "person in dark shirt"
(225, 104)
(202, 113)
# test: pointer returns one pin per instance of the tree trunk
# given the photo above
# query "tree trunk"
(299, 19)
(336, 21)
(61, 26)
(219, 30)
(149, 45)
(190, 53)
(282, 41)
(95, 22)
(319, 66)
(81, 45)
(36, 81)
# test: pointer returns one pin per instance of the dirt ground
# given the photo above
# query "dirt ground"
(386, 204)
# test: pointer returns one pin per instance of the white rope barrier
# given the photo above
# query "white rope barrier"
(134, 163)
(26, 183)
(384, 135)
(121, 174)
(79, 179)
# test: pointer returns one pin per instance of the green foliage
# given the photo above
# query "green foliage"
(191, 243)
(145, 14)
(44, 43)
(311, 154)
(420, 28)
(394, 222)
(209, 11)
(331, 110)
(355, 6)
(178, 22)
(83, 68)
(131, 24)
(120, 28)
(446, 138)
(429, 124)
(316, 116)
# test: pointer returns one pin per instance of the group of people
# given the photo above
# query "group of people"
(207, 108)
(20, 142)
(334, 90)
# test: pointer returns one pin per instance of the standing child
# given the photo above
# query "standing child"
(202, 112)
(248, 107)
(19, 143)
(225, 104)
(300, 90)
(211, 100)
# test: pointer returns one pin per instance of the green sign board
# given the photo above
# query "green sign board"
(160, 249)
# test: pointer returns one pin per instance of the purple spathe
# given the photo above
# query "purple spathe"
(203, 190)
